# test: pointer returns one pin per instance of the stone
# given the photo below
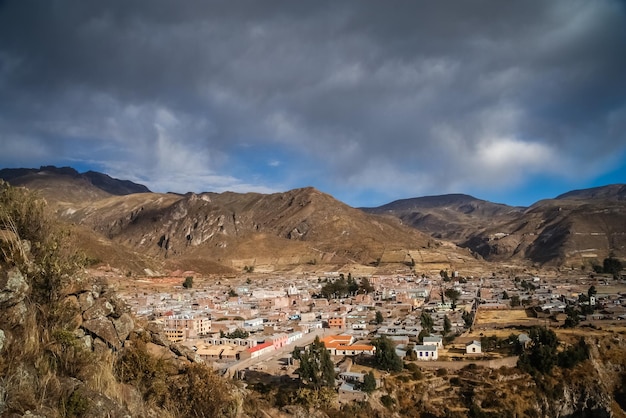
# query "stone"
(3, 339)
(119, 306)
(86, 300)
(103, 328)
(13, 288)
(99, 346)
(87, 342)
(14, 315)
(194, 357)
(101, 308)
(123, 326)
(159, 351)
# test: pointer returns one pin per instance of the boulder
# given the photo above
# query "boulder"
(86, 300)
(103, 328)
(14, 315)
(119, 306)
(13, 288)
(101, 308)
(159, 351)
(123, 326)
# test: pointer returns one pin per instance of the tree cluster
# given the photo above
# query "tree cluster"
(343, 287)
(316, 367)
(385, 356)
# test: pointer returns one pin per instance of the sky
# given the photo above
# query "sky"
(370, 101)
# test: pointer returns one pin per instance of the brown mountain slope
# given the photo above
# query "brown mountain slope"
(454, 217)
(69, 183)
(565, 231)
(303, 226)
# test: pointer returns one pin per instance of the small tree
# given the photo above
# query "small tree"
(316, 366)
(385, 356)
(453, 295)
(365, 286)
(427, 322)
(447, 325)
(505, 295)
(379, 317)
(188, 283)
(514, 301)
(369, 382)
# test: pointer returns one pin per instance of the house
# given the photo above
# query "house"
(426, 352)
(341, 345)
(434, 340)
(473, 348)
(259, 350)
(338, 322)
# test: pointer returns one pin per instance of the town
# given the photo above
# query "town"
(258, 321)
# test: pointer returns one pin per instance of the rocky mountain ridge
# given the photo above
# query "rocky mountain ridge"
(578, 228)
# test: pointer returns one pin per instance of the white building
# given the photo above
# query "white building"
(473, 348)
(436, 340)
(426, 352)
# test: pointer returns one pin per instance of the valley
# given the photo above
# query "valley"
(456, 292)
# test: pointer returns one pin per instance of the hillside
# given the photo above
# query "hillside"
(454, 217)
(574, 230)
(225, 232)
(298, 227)
(65, 183)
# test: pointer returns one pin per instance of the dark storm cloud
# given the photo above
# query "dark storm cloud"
(413, 96)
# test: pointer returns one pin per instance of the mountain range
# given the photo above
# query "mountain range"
(124, 224)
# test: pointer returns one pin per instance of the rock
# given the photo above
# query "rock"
(14, 315)
(101, 308)
(103, 328)
(160, 352)
(119, 306)
(72, 302)
(13, 288)
(123, 326)
(156, 334)
(86, 300)
(94, 404)
(99, 346)
(194, 357)
(3, 339)
(87, 341)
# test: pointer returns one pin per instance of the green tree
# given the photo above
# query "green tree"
(365, 286)
(612, 265)
(316, 366)
(447, 325)
(379, 317)
(385, 356)
(505, 295)
(427, 322)
(353, 286)
(453, 295)
(232, 293)
(514, 301)
(369, 382)
(468, 318)
(238, 333)
(542, 355)
(188, 283)
(591, 291)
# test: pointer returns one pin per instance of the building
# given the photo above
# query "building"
(182, 327)
(434, 340)
(426, 352)
(342, 345)
(473, 348)
(259, 350)
(337, 322)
